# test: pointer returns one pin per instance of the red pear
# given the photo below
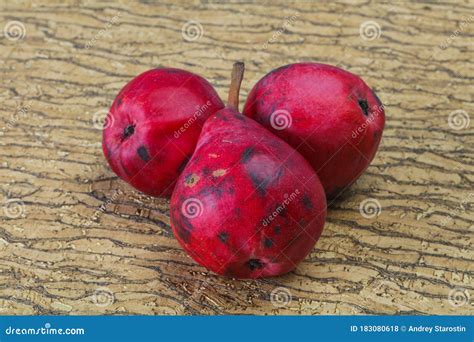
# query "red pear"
(153, 126)
(329, 115)
(247, 205)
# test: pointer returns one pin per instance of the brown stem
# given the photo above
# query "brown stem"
(235, 81)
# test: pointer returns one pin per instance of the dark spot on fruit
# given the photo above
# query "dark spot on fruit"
(307, 202)
(376, 135)
(183, 229)
(277, 229)
(247, 154)
(239, 117)
(302, 223)
(191, 180)
(261, 182)
(119, 101)
(223, 236)
(220, 115)
(254, 264)
(267, 243)
(211, 190)
(128, 131)
(377, 98)
(183, 164)
(143, 153)
(282, 211)
(364, 106)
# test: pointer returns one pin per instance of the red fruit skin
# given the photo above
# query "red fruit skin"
(157, 103)
(238, 176)
(328, 125)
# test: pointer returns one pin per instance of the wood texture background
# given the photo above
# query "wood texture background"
(74, 239)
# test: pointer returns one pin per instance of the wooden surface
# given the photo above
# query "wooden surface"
(74, 239)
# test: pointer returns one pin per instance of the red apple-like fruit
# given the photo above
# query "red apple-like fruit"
(327, 114)
(153, 125)
(247, 205)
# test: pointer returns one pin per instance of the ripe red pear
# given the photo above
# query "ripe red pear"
(153, 126)
(328, 114)
(247, 205)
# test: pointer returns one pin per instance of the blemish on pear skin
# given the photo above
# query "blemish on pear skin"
(268, 243)
(247, 154)
(277, 230)
(254, 264)
(191, 180)
(143, 153)
(219, 172)
(308, 204)
(223, 236)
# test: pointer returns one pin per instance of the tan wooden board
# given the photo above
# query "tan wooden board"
(60, 253)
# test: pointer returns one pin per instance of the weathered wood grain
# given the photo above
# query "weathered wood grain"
(83, 242)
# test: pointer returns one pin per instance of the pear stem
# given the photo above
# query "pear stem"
(235, 81)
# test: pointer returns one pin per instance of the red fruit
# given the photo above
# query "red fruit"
(153, 126)
(329, 115)
(247, 205)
